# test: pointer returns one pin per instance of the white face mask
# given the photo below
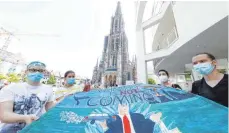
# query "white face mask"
(163, 78)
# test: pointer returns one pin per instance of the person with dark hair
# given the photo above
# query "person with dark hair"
(87, 87)
(213, 85)
(163, 76)
(69, 86)
(69, 78)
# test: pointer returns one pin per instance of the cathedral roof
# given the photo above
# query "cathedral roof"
(118, 9)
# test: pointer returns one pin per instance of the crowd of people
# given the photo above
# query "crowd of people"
(23, 103)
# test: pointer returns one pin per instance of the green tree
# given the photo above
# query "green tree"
(2, 76)
(13, 77)
(151, 81)
(51, 80)
(24, 79)
(222, 71)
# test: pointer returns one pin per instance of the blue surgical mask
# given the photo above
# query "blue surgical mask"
(71, 81)
(35, 77)
(204, 68)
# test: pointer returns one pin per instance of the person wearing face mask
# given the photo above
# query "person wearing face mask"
(23, 103)
(69, 88)
(163, 76)
(213, 85)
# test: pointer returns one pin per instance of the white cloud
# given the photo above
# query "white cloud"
(81, 25)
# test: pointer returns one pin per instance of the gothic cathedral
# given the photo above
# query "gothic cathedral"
(115, 68)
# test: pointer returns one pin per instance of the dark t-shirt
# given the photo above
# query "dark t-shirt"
(176, 86)
(218, 93)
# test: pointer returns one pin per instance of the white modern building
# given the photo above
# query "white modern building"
(169, 34)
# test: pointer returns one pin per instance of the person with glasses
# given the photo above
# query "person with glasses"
(70, 86)
(23, 103)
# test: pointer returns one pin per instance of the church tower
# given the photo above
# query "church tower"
(115, 66)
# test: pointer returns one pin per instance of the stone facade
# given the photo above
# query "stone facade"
(115, 68)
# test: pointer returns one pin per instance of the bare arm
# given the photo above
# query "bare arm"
(7, 115)
(60, 99)
(49, 105)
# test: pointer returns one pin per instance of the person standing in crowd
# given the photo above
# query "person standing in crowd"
(163, 76)
(87, 87)
(23, 103)
(69, 86)
(214, 85)
(3, 84)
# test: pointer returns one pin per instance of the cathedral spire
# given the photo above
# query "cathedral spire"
(118, 9)
(97, 62)
(96, 66)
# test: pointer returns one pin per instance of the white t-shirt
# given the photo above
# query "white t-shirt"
(27, 100)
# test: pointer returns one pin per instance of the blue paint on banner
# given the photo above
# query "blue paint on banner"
(149, 109)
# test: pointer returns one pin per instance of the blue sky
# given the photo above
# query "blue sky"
(80, 24)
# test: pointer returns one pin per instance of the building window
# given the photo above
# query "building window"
(112, 44)
(148, 10)
(149, 34)
(114, 62)
(116, 25)
(157, 8)
(117, 43)
(158, 48)
(116, 22)
(128, 76)
(152, 8)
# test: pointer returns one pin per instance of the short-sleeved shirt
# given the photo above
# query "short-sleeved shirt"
(218, 93)
(27, 100)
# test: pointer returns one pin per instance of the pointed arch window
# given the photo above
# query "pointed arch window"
(128, 76)
(116, 25)
(117, 42)
(112, 44)
(113, 63)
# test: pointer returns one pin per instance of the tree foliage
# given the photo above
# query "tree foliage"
(151, 81)
(51, 80)
(2, 76)
(13, 77)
